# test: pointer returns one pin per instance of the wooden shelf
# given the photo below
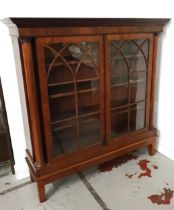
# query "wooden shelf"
(126, 83)
(71, 82)
(119, 103)
(88, 90)
(63, 141)
(120, 84)
(89, 114)
(62, 127)
(75, 118)
(128, 73)
(73, 93)
(68, 58)
(61, 95)
(127, 105)
(63, 116)
(126, 110)
(71, 60)
(86, 111)
(63, 120)
(69, 125)
(138, 71)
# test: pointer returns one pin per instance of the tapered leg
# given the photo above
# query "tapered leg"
(31, 178)
(41, 191)
(151, 148)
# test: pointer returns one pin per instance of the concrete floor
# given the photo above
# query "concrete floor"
(136, 182)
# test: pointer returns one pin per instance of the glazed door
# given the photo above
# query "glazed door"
(128, 81)
(71, 75)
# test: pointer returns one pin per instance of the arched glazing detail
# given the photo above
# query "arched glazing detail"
(129, 63)
(81, 59)
(129, 55)
(118, 62)
(73, 80)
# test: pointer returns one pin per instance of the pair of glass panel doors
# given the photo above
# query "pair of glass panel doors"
(94, 89)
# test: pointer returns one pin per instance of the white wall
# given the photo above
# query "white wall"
(92, 8)
(165, 99)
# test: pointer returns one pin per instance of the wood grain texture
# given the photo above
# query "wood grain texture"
(74, 158)
(82, 22)
(33, 101)
(152, 147)
(108, 41)
(52, 176)
(153, 82)
(41, 191)
(34, 34)
(40, 43)
(31, 27)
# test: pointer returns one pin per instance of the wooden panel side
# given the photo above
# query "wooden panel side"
(32, 100)
(153, 83)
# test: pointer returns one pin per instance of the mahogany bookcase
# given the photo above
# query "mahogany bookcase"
(89, 86)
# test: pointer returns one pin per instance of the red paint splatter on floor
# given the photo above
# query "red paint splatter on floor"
(163, 198)
(143, 165)
(130, 176)
(108, 166)
(155, 166)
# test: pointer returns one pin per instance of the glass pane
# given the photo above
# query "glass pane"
(89, 130)
(132, 54)
(119, 122)
(88, 97)
(64, 137)
(143, 45)
(140, 60)
(87, 86)
(61, 90)
(59, 68)
(49, 56)
(138, 63)
(119, 90)
(129, 50)
(137, 86)
(62, 108)
(88, 66)
(137, 116)
(128, 75)
(118, 63)
(62, 61)
(73, 89)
